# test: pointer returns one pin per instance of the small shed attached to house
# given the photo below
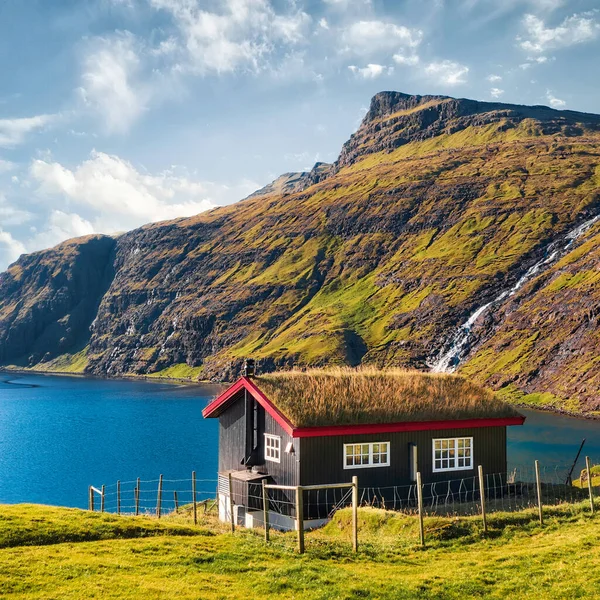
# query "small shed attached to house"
(324, 426)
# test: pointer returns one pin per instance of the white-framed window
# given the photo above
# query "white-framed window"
(452, 454)
(370, 454)
(272, 447)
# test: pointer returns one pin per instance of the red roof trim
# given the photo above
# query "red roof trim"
(405, 426)
(248, 384)
(300, 432)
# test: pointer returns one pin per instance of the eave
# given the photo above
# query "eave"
(216, 407)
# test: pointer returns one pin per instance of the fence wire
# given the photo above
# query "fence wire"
(504, 492)
(127, 498)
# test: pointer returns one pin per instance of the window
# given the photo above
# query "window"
(452, 454)
(373, 454)
(272, 447)
(413, 463)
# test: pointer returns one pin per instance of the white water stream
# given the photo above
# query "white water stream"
(448, 361)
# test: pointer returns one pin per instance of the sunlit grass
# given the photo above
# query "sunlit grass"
(517, 558)
(342, 395)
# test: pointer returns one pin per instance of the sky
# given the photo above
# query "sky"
(115, 113)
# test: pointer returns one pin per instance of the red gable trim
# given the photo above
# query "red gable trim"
(405, 426)
(300, 432)
(249, 385)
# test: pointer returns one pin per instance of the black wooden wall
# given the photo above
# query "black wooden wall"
(232, 444)
(323, 457)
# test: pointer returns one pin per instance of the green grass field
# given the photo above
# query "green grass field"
(71, 554)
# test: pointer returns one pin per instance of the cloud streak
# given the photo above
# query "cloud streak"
(539, 38)
(447, 72)
(14, 132)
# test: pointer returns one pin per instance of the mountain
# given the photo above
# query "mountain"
(435, 208)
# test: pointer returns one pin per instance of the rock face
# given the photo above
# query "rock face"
(49, 299)
(395, 119)
(289, 183)
(435, 206)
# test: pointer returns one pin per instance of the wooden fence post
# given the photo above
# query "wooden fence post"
(265, 495)
(590, 487)
(91, 499)
(159, 496)
(194, 498)
(355, 513)
(300, 518)
(118, 497)
(482, 495)
(102, 499)
(231, 504)
(420, 505)
(137, 497)
(539, 490)
(176, 501)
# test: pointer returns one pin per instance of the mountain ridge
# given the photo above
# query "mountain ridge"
(434, 207)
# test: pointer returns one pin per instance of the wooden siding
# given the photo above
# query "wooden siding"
(323, 457)
(232, 436)
(233, 430)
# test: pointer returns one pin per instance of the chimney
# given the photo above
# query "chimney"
(248, 369)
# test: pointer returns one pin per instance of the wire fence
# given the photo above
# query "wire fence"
(153, 496)
(503, 492)
(300, 507)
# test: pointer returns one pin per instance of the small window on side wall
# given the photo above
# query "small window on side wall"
(371, 454)
(272, 448)
(452, 454)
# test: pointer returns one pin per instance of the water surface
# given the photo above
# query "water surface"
(60, 434)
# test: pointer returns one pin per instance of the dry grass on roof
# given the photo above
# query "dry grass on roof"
(343, 396)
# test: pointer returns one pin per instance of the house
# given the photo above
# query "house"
(325, 426)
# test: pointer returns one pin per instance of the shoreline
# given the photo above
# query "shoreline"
(546, 408)
(174, 380)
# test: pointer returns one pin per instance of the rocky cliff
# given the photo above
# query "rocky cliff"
(434, 208)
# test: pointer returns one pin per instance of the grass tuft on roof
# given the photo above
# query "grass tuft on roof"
(346, 396)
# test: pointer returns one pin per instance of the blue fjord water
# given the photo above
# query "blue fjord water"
(60, 434)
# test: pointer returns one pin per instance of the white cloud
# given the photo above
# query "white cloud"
(12, 215)
(6, 165)
(370, 37)
(323, 24)
(60, 226)
(110, 83)
(554, 101)
(14, 131)
(344, 4)
(447, 72)
(242, 35)
(493, 78)
(411, 60)
(120, 197)
(371, 71)
(573, 30)
(496, 92)
(10, 248)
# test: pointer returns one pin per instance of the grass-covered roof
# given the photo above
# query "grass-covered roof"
(345, 396)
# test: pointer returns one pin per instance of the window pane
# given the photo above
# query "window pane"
(375, 459)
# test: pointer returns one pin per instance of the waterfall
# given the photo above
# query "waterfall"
(448, 361)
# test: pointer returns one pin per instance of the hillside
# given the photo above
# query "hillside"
(73, 554)
(435, 207)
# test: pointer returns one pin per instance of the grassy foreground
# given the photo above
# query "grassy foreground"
(70, 554)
